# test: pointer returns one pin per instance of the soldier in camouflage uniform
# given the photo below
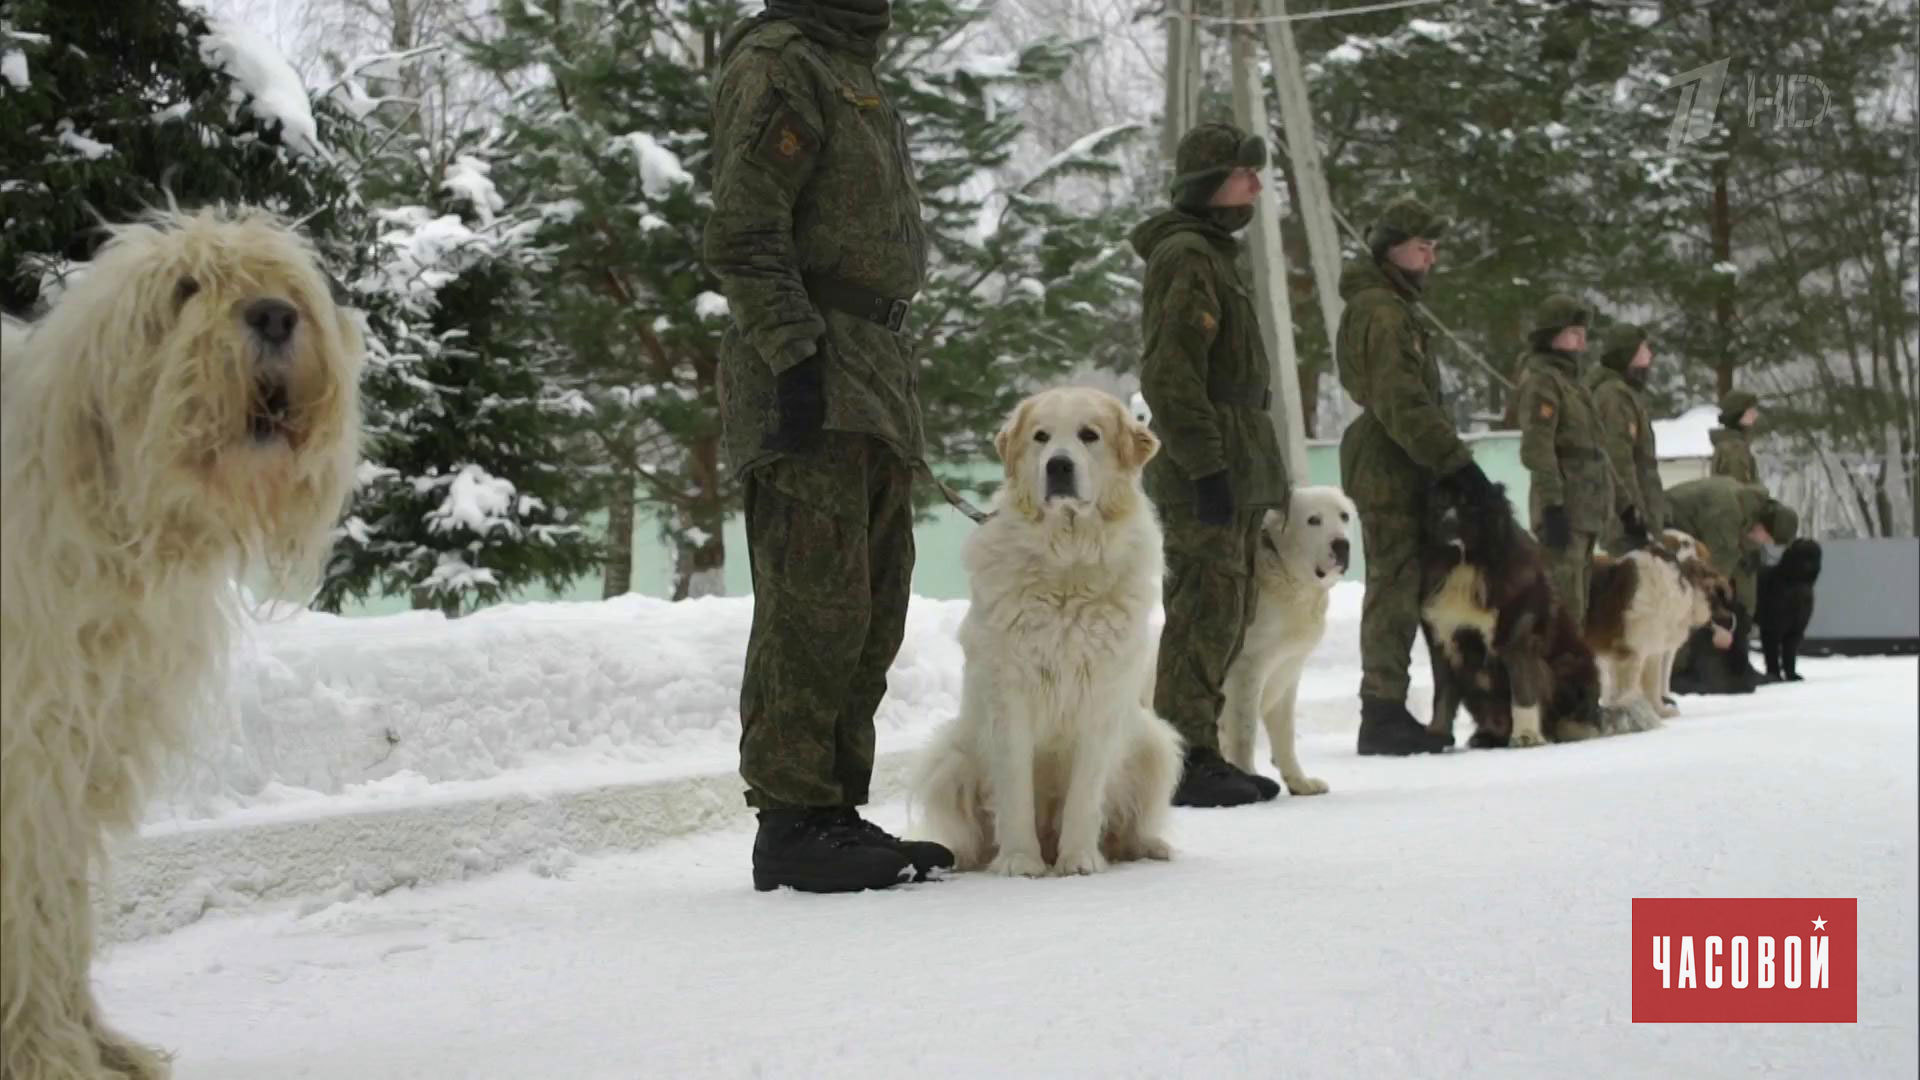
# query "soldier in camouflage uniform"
(1618, 384)
(1571, 501)
(1732, 440)
(1391, 459)
(1736, 522)
(817, 240)
(1205, 377)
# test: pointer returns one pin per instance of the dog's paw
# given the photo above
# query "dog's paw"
(1527, 738)
(1018, 864)
(1665, 711)
(124, 1059)
(1304, 785)
(1089, 861)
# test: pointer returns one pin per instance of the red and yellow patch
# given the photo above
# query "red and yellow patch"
(1206, 321)
(1546, 410)
(787, 139)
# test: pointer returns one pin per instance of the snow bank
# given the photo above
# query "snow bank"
(332, 715)
(337, 715)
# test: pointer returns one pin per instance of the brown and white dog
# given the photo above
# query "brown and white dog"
(1642, 607)
(1502, 645)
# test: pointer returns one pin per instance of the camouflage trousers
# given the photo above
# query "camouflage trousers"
(1392, 539)
(1569, 570)
(1209, 597)
(830, 537)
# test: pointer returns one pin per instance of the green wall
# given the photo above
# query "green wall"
(937, 571)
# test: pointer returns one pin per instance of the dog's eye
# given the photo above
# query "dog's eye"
(183, 291)
(1344, 516)
(1041, 436)
(1088, 435)
(1314, 520)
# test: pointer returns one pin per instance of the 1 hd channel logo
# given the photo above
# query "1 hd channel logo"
(1720, 961)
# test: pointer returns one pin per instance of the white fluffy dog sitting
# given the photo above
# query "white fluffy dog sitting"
(1052, 763)
(1302, 556)
(187, 414)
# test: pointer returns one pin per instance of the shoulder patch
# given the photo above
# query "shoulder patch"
(788, 139)
(1546, 410)
(1633, 429)
(1205, 319)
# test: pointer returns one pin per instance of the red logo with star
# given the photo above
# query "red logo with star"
(1728, 961)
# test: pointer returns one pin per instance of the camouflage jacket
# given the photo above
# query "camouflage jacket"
(1205, 372)
(1406, 439)
(1626, 433)
(811, 181)
(1560, 437)
(1733, 455)
(1719, 512)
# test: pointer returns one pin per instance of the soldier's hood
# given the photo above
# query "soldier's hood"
(1362, 274)
(1156, 230)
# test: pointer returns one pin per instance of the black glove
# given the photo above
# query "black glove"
(1636, 529)
(1470, 486)
(801, 397)
(1213, 499)
(1555, 532)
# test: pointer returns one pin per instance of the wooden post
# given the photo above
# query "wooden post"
(1269, 261)
(1310, 177)
(1182, 39)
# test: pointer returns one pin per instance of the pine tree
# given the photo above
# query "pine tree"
(466, 495)
(612, 146)
(109, 111)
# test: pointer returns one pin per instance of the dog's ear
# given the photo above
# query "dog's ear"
(1003, 440)
(1138, 443)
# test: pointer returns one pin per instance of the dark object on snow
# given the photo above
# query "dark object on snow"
(1387, 729)
(1786, 606)
(1702, 669)
(1211, 780)
(831, 850)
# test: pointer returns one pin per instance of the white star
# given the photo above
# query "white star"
(1819, 924)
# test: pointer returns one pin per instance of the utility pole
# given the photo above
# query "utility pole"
(1269, 261)
(1310, 177)
(1183, 70)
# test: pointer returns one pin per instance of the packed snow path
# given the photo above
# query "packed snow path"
(1465, 915)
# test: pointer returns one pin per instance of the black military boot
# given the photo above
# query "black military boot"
(929, 859)
(1387, 728)
(824, 850)
(1211, 780)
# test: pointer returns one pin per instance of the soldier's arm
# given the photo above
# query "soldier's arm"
(1539, 422)
(1184, 315)
(1653, 496)
(766, 138)
(1618, 436)
(1400, 400)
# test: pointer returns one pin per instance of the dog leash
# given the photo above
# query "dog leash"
(954, 498)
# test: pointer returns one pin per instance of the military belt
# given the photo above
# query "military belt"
(1246, 397)
(887, 311)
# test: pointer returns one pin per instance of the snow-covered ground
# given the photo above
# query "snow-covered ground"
(1459, 915)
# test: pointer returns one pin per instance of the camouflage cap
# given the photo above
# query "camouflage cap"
(1559, 311)
(1408, 217)
(1620, 343)
(1781, 521)
(1206, 155)
(1734, 405)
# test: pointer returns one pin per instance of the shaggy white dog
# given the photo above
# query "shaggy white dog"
(185, 415)
(1052, 761)
(1302, 555)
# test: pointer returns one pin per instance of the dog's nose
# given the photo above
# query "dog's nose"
(1059, 468)
(273, 320)
(1342, 550)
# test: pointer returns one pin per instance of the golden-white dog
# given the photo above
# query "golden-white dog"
(1052, 761)
(1302, 555)
(185, 415)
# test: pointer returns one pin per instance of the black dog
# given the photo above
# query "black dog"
(1786, 606)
